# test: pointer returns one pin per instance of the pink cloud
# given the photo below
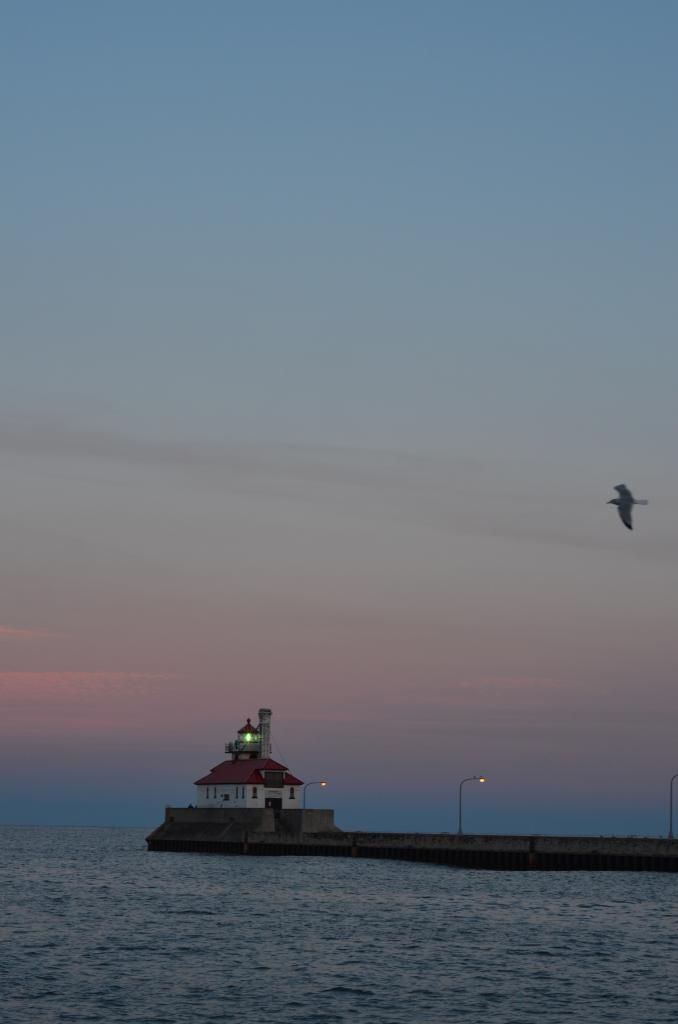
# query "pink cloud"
(15, 633)
(77, 704)
(48, 685)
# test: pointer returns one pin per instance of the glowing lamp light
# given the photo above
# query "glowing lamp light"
(319, 782)
(248, 737)
(481, 778)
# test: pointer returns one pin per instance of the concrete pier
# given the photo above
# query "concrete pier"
(313, 833)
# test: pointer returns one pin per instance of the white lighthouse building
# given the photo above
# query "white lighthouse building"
(250, 778)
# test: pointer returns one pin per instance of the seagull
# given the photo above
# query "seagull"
(624, 503)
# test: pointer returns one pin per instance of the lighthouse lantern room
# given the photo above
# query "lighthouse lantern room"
(251, 778)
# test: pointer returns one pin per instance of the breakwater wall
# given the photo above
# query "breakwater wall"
(313, 834)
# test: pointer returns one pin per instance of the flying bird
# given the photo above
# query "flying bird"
(625, 503)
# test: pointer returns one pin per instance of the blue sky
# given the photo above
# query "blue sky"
(346, 316)
(418, 220)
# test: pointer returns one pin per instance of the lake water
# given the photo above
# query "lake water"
(94, 928)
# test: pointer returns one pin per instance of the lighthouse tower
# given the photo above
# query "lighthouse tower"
(250, 778)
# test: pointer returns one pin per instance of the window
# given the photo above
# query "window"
(254, 792)
(274, 780)
(215, 792)
(225, 796)
(207, 792)
(291, 792)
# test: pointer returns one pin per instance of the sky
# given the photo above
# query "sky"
(326, 332)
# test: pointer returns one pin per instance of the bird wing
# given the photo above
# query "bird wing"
(625, 514)
(623, 492)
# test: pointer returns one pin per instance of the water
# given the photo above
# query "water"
(94, 928)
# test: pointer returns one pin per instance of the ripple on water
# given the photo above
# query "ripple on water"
(96, 929)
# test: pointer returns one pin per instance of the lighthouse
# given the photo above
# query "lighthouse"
(250, 778)
(248, 803)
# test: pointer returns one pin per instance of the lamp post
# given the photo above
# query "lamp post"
(471, 778)
(671, 805)
(321, 782)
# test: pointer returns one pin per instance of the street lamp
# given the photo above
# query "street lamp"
(471, 778)
(671, 805)
(319, 783)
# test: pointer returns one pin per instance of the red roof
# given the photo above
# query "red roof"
(238, 772)
(248, 727)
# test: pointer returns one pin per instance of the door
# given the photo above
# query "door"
(275, 802)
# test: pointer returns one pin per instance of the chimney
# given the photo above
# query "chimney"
(265, 731)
